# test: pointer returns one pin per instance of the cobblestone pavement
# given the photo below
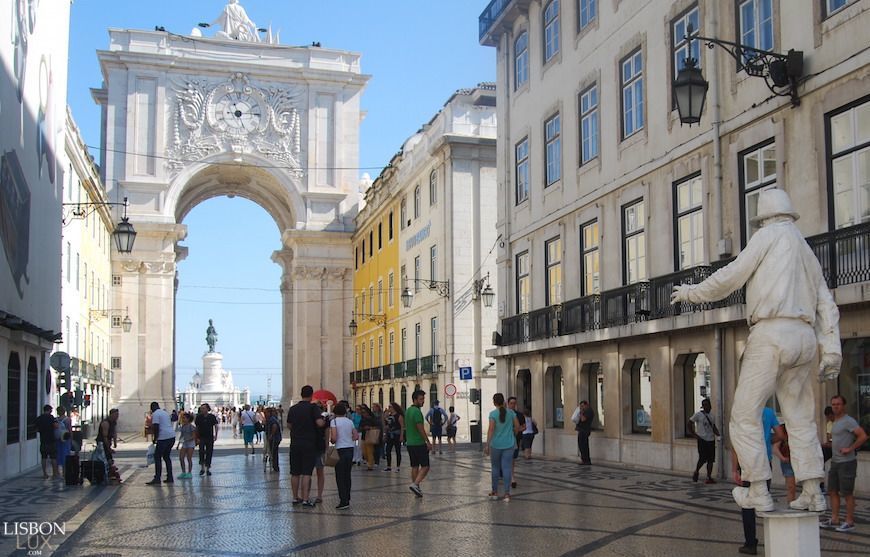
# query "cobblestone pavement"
(559, 508)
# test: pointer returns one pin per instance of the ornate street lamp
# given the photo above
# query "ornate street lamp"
(482, 289)
(124, 233)
(690, 91)
(352, 326)
(441, 287)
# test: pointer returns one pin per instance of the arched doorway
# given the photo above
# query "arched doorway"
(524, 389)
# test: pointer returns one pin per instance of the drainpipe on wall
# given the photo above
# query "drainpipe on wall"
(723, 245)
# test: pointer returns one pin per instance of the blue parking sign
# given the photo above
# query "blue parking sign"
(465, 373)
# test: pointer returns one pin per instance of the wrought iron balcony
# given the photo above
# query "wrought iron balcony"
(411, 367)
(387, 372)
(627, 304)
(544, 322)
(428, 364)
(581, 314)
(490, 15)
(398, 370)
(844, 254)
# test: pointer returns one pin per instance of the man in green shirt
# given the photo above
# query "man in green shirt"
(417, 442)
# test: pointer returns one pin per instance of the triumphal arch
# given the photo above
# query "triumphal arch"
(186, 118)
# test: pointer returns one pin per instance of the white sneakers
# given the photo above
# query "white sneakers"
(748, 498)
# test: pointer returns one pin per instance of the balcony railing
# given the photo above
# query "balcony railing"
(581, 314)
(544, 322)
(627, 304)
(387, 372)
(428, 364)
(490, 15)
(515, 329)
(411, 367)
(844, 254)
(399, 370)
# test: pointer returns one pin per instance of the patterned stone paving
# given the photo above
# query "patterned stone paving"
(559, 508)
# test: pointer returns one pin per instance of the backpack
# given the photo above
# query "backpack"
(437, 417)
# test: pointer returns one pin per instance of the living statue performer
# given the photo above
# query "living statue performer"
(791, 313)
(211, 336)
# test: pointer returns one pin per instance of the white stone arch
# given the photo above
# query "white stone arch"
(257, 179)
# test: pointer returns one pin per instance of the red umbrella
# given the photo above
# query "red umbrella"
(324, 395)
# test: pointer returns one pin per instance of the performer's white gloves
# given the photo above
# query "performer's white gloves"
(829, 367)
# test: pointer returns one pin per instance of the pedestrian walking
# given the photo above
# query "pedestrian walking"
(512, 405)
(452, 419)
(303, 419)
(344, 436)
(321, 442)
(378, 413)
(186, 444)
(46, 424)
(846, 438)
(371, 432)
(436, 416)
(164, 438)
(395, 424)
(417, 442)
(206, 434)
(529, 428)
(703, 427)
(63, 435)
(273, 436)
(248, 419)
(500, 444)
(583, 417)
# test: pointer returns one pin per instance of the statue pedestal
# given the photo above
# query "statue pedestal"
(790, 533)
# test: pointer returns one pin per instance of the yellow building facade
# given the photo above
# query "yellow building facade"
(376, 288)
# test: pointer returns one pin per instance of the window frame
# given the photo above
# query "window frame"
(520, 279)
(553, 265)
(636, 371)
(550, 30)
(756, 31)
(828, 12)
(586, 251)
(586, 6)
(403, 213)
(851, 151)
(433, 187)
(628, 235)
(591, 113)
(693, 47)
(521, 72)
(634, 83)
(552, 147)
(521, 169)
(758, 187)
(433, 335)
(433, 262)
(417, 269)
(418, 201)
(678, 215)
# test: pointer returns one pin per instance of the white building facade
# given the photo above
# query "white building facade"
(33, 100)
(605, 202)
(444, 180)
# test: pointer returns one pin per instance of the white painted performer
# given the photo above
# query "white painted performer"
(791, 313)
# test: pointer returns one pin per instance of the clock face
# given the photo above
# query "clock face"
(238, 112)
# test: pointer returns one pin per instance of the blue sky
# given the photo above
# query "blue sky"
(418, 53)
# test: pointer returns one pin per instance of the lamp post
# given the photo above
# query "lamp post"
(124, 233)
(441, 287)
(781, 73)
(126, 323)
(481, 289)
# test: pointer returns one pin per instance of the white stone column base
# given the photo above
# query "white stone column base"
(790, 533)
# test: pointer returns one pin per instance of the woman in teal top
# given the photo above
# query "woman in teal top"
(500, 443)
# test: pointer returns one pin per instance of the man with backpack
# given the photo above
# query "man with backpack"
(436, 418)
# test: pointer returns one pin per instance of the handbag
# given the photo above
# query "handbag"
(331, 457)
(373, 437)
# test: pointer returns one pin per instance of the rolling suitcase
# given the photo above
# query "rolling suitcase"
(94, 471)
(71, 470)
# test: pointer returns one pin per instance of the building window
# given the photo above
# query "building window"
(356, 358)
(555, 413)
(404, 345)
(586, 12)
(689, 221)
(380, 295)
(521, 60)
(631, 80)
(854, 382)
(85, 276)
(641, 395)
(356, 257)
(391, 349)
(391, 288)
(682, 48)
(68, 263)
(553, 142)
(590, 260)
(371, 300)
(634, 242)
(848, 132)
(33, 409)
(116, 321)
(403, 214)
(380, 350)
(551, 30)
(522, 170)
(524, 285)
(403, 276)
(553, 264)
(433, 263)
(589, 124)
(363, 251)
(696, 384)
(757, 173)
(417, 202)
(362, 305)
(371, 242)
(417, 334)
(404, 396)
(78, 270)
(13, 399)
(433, 335)
(433, 187)
(756, 25)
(390, 227)
(417, 274)
(594, 375)
(380, 235)
(834, 6)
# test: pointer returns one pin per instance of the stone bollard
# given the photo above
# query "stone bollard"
(790, 533)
